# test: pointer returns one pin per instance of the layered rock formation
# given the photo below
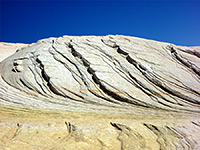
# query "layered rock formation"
(119, 92)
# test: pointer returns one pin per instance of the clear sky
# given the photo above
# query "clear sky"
(176, 22)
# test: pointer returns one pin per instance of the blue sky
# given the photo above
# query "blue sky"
(176, 22)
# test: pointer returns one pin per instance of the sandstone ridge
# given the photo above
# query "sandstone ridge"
(104, 74)
(99, 92)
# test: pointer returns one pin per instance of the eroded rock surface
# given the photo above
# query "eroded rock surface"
(157, 84)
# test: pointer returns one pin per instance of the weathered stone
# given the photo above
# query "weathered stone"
(111, 92)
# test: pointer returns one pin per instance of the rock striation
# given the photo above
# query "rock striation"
(108, 75)
(112, 72)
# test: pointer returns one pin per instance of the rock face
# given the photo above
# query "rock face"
(151, 88)
(7, 49)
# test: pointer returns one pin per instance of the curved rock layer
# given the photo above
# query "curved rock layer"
(111, 73)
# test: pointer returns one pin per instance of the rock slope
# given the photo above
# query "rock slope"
(146, 92)
(108, 73)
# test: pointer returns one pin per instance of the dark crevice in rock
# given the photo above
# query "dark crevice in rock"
(185, 62)
(76, 54)
(28, 86)
(182, 86)
(116, 126)
(47, 79)
(120, 51)
(189, 51)
(74, 93)
(196, 54)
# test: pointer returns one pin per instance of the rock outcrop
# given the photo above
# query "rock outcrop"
(119, 92)
(7, 49)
